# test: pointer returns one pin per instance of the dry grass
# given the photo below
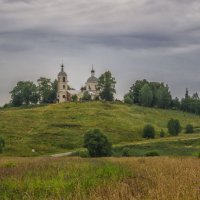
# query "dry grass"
(155, 179)
(100, 179)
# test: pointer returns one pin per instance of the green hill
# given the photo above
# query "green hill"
(59, 128)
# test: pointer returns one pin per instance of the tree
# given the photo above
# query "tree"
(175, 104)
(106, 86)
(2, 144)
(97, 143)
(174, 127)
(25, 92)
(163, 97)
(74, 98)
(86, 96)
(148, 131)
(146, 96)
(187, 93)
(189, 128)
(135, 89)
(128, 98)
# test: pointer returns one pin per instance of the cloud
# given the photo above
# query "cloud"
(135, 39)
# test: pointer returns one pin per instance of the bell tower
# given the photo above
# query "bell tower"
(62, 86)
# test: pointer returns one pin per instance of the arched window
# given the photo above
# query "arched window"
(63, 86)
(63, 96)
(63, 79)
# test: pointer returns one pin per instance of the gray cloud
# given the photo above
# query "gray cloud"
(157, 40)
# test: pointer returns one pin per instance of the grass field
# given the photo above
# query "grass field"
(99, 179)
(59, 128)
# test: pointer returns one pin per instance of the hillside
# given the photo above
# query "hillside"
(59, 128)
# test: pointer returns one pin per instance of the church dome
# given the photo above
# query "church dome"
(92, 79)
(62, 73)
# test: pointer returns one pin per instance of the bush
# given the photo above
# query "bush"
(189, 129)
(148, 131)
(162, 133)
(152, 153)
(126, 152)
(199, 155)
(174, 127)
(2, 144)
(97, 143)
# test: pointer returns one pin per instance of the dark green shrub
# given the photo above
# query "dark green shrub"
(189, 129)
(2, 144)
(199, 155)
(162, 133)
(174, 127)
(148, 131)
(126, 152)
(97, 143)
(152, 153)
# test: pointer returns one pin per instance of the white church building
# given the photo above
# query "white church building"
(65, 94)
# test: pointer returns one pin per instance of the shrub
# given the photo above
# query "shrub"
(174, 127)
(97, 143)
(162, 133)
(86, 96)
(148, 131)
(126, 152)
(152, 153)
(199, 155)
(2, 144)
(189, 129)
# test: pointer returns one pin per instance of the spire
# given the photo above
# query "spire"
(92, 71)
(62, 68)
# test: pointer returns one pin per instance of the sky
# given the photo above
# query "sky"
(157, 40)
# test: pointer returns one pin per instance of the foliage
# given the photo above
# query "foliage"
(106, 86)
(25, 92)
(189, 128)
(86, 96)
(125, 152)
(97, 143)
(2, 144)
(128, 99)
(174, 127)
(148, 131)
(74, 98)
(146, 96)
(163, 97)
(162, 133)
(152, 154)
(47, 90)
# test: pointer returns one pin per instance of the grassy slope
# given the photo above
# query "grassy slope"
(90, 179)
(57, 128)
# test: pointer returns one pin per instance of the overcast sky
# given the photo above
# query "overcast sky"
(135, 39)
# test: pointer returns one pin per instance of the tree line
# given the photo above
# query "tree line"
(45, 91)
(156, 94)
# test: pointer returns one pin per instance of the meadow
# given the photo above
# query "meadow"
(60, 127)
(99, 179)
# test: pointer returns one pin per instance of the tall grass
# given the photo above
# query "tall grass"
(99, 179)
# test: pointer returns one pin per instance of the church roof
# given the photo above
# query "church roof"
(92, 79)
(62, 73)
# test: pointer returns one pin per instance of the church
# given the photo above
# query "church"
(65, 93)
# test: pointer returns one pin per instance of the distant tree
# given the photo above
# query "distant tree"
(146, 96)
(25, 92)
(163, 97)
(106, 86)
(162, 133)
(74, 98)
(189, 128)
(187, 93)
(148, 131)
(86, 96)
(174, 127)
(175, 104)
(2, 144)
(135, 90)
(97, 143)
(195, 96)
(128, 98)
